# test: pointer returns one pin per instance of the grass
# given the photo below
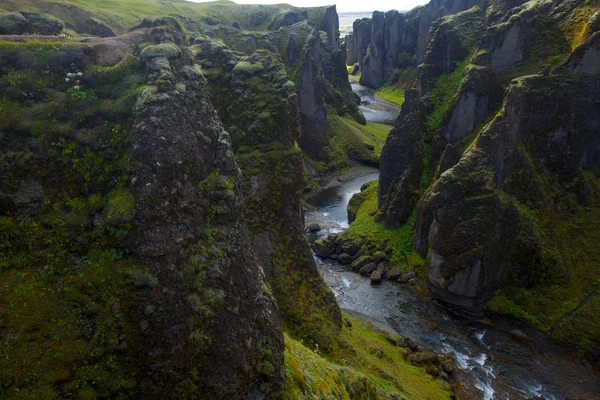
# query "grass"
(391, 94)
(351, 141)
(62, 274)
(124, 14)
(442, 93)
(365, 365)
(373, 128)
(399, 239)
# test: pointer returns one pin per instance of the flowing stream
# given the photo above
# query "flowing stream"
(373, 107)
(495, 362)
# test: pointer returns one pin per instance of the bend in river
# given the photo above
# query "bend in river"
(495, 363)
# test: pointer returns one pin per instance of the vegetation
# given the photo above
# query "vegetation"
(398, 241)
(391, 94)
(365, 365)
(63, 268)
(441, 95)
(351, 140)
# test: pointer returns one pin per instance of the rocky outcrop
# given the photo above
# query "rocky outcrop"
(331, 25)
(372, 63)
(258, 104)
(287, 18)
(585, 59)
(451, 40)
(351, 51)
(401, 162)
(169, 297)
(177, 112)
(29, 22)
(468, 222)
(311, 100)
(94, 27)
(394, 40)
(472, 104)
(509, 42)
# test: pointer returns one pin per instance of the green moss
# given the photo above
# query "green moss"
(505, 306)
(445, 88)
(248, 68)
(120, 207)
(365, 365)
(392, 94)
(398, 241)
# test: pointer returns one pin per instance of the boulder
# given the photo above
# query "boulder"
(448, 366)
(423, 357)
(394, 273)
(405, 277)
(367, 269)
(376, 276)
(345, 258)
(322, 248)
(361, 262)
(378, 256)
(352, 246)
(43, 24)
(13, 24)
(94, 27)
(411, 344)
(314, 227)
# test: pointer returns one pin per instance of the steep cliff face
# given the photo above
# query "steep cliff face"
(394, 40)
(315, 63)
(472, 224)
(259, 105)
(401, 162)
(492, 219)
(451, 40)
(133, 204)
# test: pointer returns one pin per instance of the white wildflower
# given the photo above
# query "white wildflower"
(80, 74)
(67, 79)
(76, 87)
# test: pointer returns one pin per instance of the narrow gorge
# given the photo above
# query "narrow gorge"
(215, 200)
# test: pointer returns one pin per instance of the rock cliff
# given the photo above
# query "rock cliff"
(395, 40)
(495, 146)
(139, 221)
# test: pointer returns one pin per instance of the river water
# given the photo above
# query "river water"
(495, 362)
(373, 107)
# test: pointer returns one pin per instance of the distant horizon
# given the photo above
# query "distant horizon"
(351, 6)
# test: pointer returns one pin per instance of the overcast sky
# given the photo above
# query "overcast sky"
(343, 6)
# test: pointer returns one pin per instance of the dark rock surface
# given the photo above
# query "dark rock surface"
(401, 162)
(466, 265)
(29, 22)
(198, 147)
(585, 59)
(395, 40)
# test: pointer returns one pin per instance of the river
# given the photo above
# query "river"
(495, 361)
(373, 107)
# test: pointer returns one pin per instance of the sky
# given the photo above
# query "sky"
(342, 5)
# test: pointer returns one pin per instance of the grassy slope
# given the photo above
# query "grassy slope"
(573, 239)
(366, 365)
(349, 137)
(392, 94)
(124, 14)
(399, 239)
(56, 307)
